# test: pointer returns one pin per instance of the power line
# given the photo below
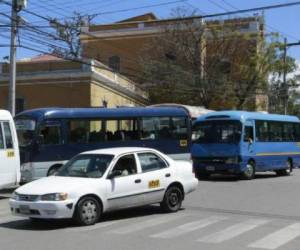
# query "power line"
(267, 25)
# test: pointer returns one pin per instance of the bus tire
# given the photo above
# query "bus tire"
(249, 172)
(287, 171)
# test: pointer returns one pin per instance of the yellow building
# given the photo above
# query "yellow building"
(48, 81)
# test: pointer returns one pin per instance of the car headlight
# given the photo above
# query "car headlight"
(54, 197)
(15, 196)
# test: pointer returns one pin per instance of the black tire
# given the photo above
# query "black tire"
(172, 200)
(88, 211)
(287, 171)
(53, 171)
(249, 173)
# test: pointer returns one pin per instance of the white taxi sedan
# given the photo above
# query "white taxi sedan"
(99, 181)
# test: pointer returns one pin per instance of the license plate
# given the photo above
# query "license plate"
(24, 209)
(210, 168)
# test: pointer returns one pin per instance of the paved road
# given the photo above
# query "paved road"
(223, 214)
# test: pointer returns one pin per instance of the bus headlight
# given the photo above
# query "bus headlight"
(54, 197)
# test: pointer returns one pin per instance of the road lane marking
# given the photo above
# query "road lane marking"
(189, 227)
(233, 231)
(278, 238)
(155, 221)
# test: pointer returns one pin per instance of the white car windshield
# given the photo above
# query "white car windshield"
(88, 166)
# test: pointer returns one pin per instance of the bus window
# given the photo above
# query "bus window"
(148, 128)
(122, 130)
(7, 135)
(179, 128)
(86, 131)
(50, 134)
(288, 132)
(275, 131)
(249, 135)
(130, 129)
(262, 131)
(1, 138)
(297, 131)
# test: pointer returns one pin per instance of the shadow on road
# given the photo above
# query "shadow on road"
(48, 225)
(235, 178)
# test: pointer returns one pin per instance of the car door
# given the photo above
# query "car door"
(156, 176)
(124, 184)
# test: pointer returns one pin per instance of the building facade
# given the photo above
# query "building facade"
(121, 45)
(47, 81)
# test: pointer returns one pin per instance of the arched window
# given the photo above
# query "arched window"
(114, 63)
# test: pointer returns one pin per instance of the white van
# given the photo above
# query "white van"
(9, 152)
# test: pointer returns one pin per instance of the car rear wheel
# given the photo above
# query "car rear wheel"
(249, 172)
(88, 211)
(172, 200)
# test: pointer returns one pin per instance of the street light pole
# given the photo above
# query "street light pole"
(16, 6)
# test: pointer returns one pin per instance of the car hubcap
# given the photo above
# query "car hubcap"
(89, 211)
(173, 199)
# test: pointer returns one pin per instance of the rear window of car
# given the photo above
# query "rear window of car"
(151, 162)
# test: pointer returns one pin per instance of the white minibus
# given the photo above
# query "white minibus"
(9, 152)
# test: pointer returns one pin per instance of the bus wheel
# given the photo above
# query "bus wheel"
(53, 170)
(249, 172)
(287, 171)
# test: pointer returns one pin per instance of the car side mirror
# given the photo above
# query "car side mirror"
(114, 174)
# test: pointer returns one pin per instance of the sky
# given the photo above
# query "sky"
(285, 21)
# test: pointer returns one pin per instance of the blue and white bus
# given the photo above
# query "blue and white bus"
(49, 137)
(242, 143)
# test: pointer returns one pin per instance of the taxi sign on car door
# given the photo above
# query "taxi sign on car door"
(154, 184)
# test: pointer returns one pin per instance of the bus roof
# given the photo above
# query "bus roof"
(245, 115)
(194, 111)
(57, 113)
(4, 114)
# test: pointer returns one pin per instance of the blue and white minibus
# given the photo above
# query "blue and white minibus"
(49, 137)
(242, 143)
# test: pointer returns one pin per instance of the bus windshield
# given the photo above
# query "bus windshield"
(25, 130)
(217, 132)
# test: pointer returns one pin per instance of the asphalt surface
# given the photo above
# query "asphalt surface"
(223, 214)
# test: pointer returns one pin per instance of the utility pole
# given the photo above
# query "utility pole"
(286, 45)
(16, 6)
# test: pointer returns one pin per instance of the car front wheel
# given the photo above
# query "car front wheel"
(88, 211)
(172, 200)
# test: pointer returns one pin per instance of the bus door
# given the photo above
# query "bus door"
(248, 148)
(8, 155)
